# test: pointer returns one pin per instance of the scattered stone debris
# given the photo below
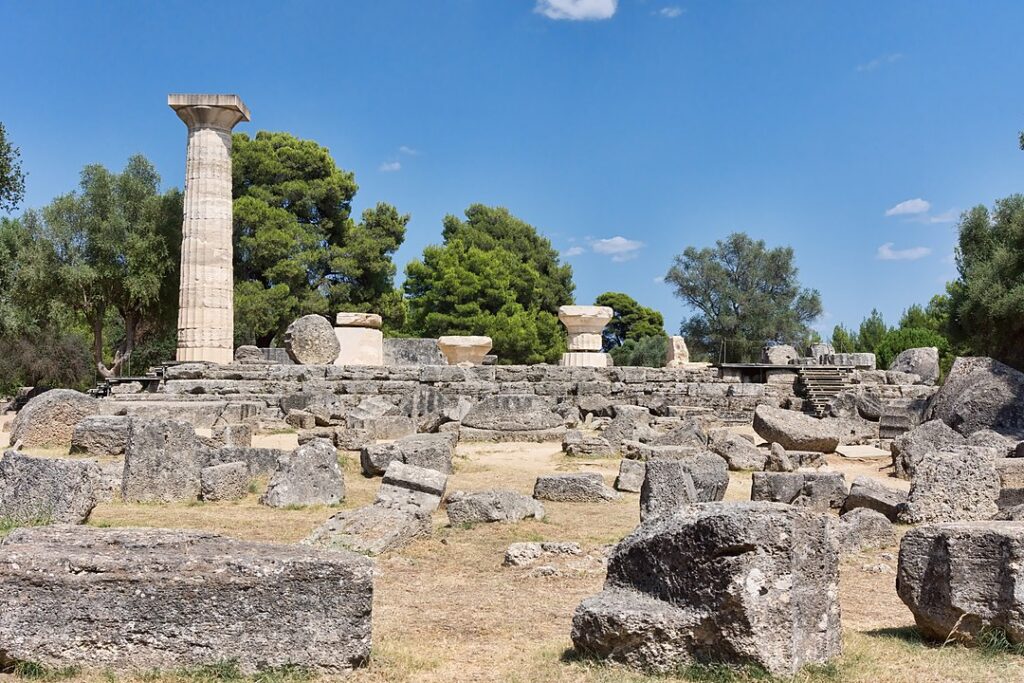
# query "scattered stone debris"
(578, 487)
(554, 558)
(577, 444)
(491, 506)
(819, 490)
(309, 475)
(868, 493)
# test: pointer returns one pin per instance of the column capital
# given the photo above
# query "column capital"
(223, 112)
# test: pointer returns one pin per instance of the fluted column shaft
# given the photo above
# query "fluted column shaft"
(206, 296)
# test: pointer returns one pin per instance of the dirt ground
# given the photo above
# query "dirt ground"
(445, 609)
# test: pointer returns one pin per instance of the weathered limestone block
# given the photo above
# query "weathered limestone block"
(863, 529)
(964, 578)
(981, 393)
(578, 487)
(986, 438)
(465, 507)
(139, 599)
(778, 460)
(738, 452)
(687, 433)
(309, 475)
(709, 473)
(101, 435)
(867, 493)
(260, 461)
(249, 355)
(513, 412)
(464, 350)
(631, 475)
(908, 449)
(676, 354)
(49, 419)
(432, 451)
(902, 378)
(667, 487)
(577, 444)
(37, 490)
(371, 529)
(525, 554)
(310, 340)
(412, 352)
(1011, 482)
(359, 346)
(793, 430)
(820, 490)
(951, 487)
(411, 488)
(861, 361)
(779, 354)
(353, 319)
(229, 481)
(739, 583)
(161, 462)
(233, 435)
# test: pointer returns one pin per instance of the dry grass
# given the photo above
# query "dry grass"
(445, 609)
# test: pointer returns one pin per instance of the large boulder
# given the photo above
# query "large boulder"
(709, 473)
(137, 599)
(738, 583)
(867, 493)
(433, 451)
(260, 461)
(49, 419)
(579, 445)
(952, 487)
(908, 449)
(309, 475)
(310, 340)
(35, 490)
(795, 431)
(688, 433)
(961, 580)
(162, 462)
(981, 393)
(739, 453)
(100, 435)
(577, 487)
(513, 413)
(465, 507)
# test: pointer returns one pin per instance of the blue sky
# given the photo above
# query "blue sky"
(625, 131)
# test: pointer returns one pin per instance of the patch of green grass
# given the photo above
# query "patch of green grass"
(9, 524)
(253, 487)
(38, 672)
(723, 673)
(993, 642)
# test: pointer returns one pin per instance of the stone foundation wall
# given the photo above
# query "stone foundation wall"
(211, 394)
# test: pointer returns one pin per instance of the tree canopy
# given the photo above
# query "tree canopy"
(986, 303)
(744, 293)
(111, 248)
(631, 321)
(12, 179)
(495, 276)
(297, 248)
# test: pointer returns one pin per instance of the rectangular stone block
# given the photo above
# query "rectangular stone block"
(138, 599)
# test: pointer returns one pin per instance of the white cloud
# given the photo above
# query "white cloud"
(887, 253)
(909, 208)
(659, 279)
(670, 12)
(618, 247)
(405, 149)
(573, 251)
(945, 217)
(390, 166)
(880, 61)
(576, 10)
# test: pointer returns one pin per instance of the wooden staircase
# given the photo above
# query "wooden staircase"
(822, 383)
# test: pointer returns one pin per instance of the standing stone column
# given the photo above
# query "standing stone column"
(585, 324)
(206, 299)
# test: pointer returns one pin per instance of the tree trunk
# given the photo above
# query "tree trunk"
(97, 344)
